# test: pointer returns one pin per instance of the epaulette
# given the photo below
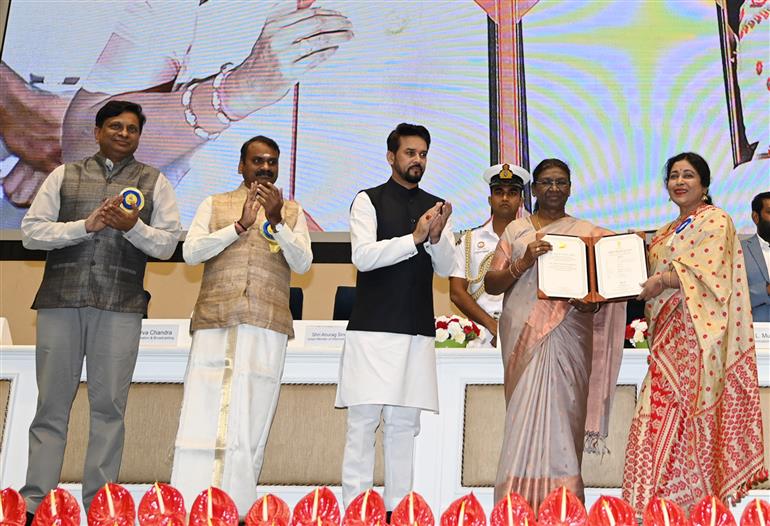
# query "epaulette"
(463, 233)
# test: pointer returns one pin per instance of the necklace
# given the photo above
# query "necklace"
(536, 222)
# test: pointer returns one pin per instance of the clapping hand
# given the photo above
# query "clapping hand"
(439, 222)
(250, 207)
(116, 217)
(270, 197)
(423, 226)
(94, 221)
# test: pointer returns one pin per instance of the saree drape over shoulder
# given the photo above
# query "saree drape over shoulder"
(697, 430)
(551, 355)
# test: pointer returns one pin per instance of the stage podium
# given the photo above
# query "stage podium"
(456, 451)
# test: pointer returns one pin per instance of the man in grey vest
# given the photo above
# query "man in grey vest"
(99, 218)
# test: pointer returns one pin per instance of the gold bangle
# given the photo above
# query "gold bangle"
(513, 268)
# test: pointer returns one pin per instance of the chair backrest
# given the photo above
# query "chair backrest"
(344, 299)
(296, 298)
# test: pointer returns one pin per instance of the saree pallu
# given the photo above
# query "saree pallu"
(560, 369)
(697, 429)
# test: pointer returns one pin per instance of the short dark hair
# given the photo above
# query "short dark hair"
(756, 203)
(113, 108)
(267, 141)
(407, 130)
(551, 163)
(697, 162)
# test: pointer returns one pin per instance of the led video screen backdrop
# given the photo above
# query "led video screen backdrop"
(611, 87)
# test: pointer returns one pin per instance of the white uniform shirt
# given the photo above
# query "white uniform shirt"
(483, 242)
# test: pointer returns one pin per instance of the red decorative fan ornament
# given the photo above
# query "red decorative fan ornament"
(611, 511)
(711, 511)
(268, 511)
(113, 505)
(512, 510)
(662, 512)
(13, 509)
(562, 508)
(162, 505)
(317, 508)
(213, 507)
(368, 509)
(756, 513)
(465, 511)
(58, 508)
(412, 511)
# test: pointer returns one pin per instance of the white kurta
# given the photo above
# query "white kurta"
(232, 382)
(382, 367)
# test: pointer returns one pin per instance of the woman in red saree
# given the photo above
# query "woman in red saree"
(697, 430)
(553, 351)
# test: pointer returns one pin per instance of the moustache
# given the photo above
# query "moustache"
(419, 167)
(263, 173)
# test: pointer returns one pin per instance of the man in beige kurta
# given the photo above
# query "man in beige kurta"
(250, 240)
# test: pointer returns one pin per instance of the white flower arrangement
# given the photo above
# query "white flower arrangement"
(455, 331)
(636, 333)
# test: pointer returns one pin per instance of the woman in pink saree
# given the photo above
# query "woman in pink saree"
(552, 352)
(697, 430)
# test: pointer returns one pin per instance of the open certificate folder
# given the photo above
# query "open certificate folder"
(592, 269)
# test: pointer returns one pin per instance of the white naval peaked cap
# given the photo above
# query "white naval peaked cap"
(506, 173)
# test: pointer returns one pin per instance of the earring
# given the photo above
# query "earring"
(705, 197)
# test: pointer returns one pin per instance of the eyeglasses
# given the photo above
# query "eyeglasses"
(118, 127)
(558, 183)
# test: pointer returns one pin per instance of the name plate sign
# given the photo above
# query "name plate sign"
(762, 335)
(165, 333)
(324, 336)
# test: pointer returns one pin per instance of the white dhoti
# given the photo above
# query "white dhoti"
(230, 393)
(393, 375)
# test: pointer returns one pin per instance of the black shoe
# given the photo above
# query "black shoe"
(387, 516)
(30, 517)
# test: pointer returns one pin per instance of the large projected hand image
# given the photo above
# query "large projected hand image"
(144, 60)
(38, 149)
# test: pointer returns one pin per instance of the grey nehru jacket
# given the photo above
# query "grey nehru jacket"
(105, 271)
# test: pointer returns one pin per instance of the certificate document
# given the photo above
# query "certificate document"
(621, 265)
(562, 272)
(592, 269)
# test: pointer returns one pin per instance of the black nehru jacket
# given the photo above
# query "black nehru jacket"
(398, 298)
